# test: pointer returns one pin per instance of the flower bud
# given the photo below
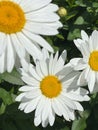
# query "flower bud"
(62, 11)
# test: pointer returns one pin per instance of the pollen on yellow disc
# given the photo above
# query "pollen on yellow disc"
(50, 86)
(93, 60)
(12, 18)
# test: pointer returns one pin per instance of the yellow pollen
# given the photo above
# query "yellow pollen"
(12, 17)
(50, 86)
(93, 60)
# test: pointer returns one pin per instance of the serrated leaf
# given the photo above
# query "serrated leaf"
(14, 77)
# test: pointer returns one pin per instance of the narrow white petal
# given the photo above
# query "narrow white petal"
(96, 74)
(78, 63)
(95, 39)
(45, 123)
(33, 93)
(56, 107)
(24, 64)
(79, 106)
(3, 43)
(85, 50)
(37, 120)
(33, 72)
(38, 70)
(69, 78)
(40, 106)
(78, 44)
(51, 117)
(50, 64)
(29, 46)
(51, 8)
(42, 16)
(62, 59)
(68, 102)
(91, 80)
(26, 88)
(45, 112)
(38, 39)
(72, 114)
(74, 96)
(95, 88)
(86, 98)
(64, 70)
(41, 28)
(65, 110)
(31, 105)
(19, 97)
(43, 67)
(54, 63)
(45, 54)
(34, 5)
(31, 81)
(2, 63)
(87, 72)
(84, 35)
(20, 50)
(82, 81)
(10, 55)
(23, 105)
(91, 44)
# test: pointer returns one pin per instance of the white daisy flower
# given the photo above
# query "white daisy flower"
(88, 65)
(21, 24)
(50, 90)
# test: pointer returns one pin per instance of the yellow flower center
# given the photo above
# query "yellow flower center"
(50, 86)
(12, 17)
(93, 60)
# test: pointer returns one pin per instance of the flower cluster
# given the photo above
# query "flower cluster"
(52, 87)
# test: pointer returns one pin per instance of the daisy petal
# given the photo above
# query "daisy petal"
(84, 35)
(38, 39)
(10, 55)
(31, 105)
(91, 80)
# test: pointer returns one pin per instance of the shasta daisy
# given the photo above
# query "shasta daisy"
(50, 89)
(21, 24)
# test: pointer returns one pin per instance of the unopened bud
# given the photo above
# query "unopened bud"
(62, 11)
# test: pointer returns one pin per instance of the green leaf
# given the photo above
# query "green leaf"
(79, 20)
(14, 77)
(79, 124)
(2, 108)
(80, 3)
(85, 114)
(95, 4)
(5, 96)
(71, 15)
(60, 36)
(74, 34)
